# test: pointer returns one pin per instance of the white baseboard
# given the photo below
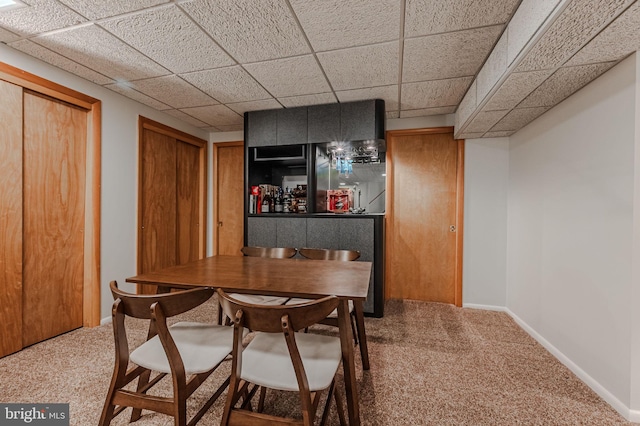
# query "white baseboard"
(619, 406)
(484, 307)
(106, 320)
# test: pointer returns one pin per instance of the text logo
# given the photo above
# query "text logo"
(34, 414)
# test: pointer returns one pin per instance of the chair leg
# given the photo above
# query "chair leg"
(109, 408)
(339, 407)
(263, 393)
(143, 381)
(362, 337)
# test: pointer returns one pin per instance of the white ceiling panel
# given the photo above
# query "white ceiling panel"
(250, 33)
(493, 69)
(392, 114)
(467, 105)
(336, 24)
(529, 16)
(33, 49)
(126, 90)
(387, 93)
(430, 94)
(242, 107)
(515, 88)
(173, 91)
(425, 17)
(300, 75)
(95, 48)
(98, 9)
(227, 85)
(499, 134)
(580, 21)
(39, 16)
(562, 84)
(230, 127)
(617, 41)
(185, 117)
(170, 38)
(361, 67)
(518, 118)
(215, 115)
(317, 99)
(410, 113)
(447, 55)
(483, 121)
(7, 36)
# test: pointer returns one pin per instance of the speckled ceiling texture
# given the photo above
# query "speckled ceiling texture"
(496, 64)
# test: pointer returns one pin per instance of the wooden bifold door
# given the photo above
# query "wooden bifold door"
(43, 205)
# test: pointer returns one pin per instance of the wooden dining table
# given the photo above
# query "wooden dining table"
(298, 278)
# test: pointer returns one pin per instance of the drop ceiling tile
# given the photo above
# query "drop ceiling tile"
(514, 89)
(186, 118)
(98, 9)
(215, 115)
(563, 83)
(387, 93)
(469, 136)
(300, 75)
(427, 111)
(226, 85)
(46, 55)
(483, 121)
(95, 48)
(127, 91)
(430, 94)
(170, 38)
(248, 32)
(614, 43)
(7, 36)
(425, 17)
(361, 67)
(39, 16)
(529, 16)
(392, 114)
(242, 107)
(173, 91)
(493, 69)
(336, 24)
(499, 134)
(518, 118)
(578, 23)
(317, 99)
(447, 55)
(467, 105)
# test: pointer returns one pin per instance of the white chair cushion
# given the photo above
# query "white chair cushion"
(257, 299)
(333, 314)
(266, 361)
(201, 346)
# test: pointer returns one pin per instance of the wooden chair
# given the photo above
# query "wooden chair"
(357, 316)
(185, 349)
(278, 357)
(271, 252)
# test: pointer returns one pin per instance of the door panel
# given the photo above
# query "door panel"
(188, 201)
(157, 203)
(421, 246)
(54, 200)
(229, 197)
(11, 218)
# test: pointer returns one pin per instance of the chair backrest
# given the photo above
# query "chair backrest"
(328, 254)
(269, 318)
(272, 252)
(174, 303)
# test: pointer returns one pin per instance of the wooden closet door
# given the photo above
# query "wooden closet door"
(11, 218)
(229, 193)
(188, 202)
(55, 137)
(422, 243)
(157, 204)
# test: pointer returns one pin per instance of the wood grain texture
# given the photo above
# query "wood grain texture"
(55, 135)
(229, 196)
(421, 249)
(10, 218)
(187, 202)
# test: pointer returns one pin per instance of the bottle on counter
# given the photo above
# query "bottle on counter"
(266, 202)
(278, 206)
(286, 201)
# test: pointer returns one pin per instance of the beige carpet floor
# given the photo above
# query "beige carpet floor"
(431, 364)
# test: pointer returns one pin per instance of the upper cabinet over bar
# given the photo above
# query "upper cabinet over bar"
(349, 121)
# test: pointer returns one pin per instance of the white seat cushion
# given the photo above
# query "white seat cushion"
(258, 299)
(333, 314)
(266, 361)
(201, 346)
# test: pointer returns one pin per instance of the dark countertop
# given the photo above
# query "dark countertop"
(336, 215)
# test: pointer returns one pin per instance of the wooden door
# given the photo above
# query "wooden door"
(229, 195)
(424, 220)
(172, 194)
(11, 218)
(53, 217)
